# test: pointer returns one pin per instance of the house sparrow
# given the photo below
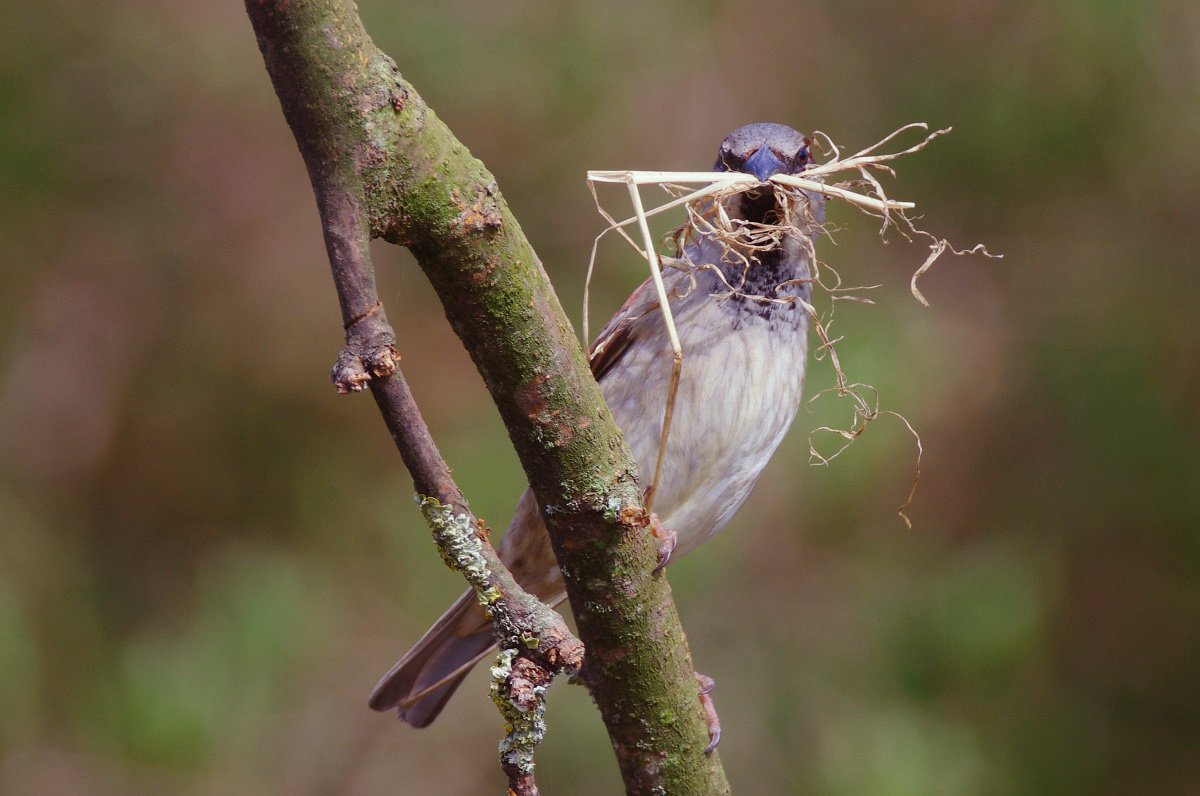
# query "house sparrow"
(744, 338)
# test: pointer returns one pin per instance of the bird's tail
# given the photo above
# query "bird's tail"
(428, 675)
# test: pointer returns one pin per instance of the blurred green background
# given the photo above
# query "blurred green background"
(207, 558)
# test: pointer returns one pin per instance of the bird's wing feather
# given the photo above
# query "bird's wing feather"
(639, 314)
(621, 330)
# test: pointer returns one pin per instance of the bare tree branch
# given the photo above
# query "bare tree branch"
(383, 165)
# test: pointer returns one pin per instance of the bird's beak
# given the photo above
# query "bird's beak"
(763, 164)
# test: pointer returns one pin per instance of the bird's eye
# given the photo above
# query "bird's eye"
(802, 155)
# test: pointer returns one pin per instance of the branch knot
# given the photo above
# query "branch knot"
(483, 213)
(369, 353)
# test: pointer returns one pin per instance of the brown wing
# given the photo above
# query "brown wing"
(621, 330)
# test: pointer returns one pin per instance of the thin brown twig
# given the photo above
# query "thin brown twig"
(526, 628)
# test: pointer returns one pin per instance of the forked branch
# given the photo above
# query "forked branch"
(383, 165)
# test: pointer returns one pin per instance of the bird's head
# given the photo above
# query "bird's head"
(764, 149)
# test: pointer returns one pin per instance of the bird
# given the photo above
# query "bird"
(742, 324)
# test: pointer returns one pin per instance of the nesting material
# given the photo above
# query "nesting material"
(706, 216)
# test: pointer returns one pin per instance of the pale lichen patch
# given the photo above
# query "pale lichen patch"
(461, 548)
(524, 724)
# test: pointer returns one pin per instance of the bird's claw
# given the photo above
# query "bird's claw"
(666, 541)
(707, 684)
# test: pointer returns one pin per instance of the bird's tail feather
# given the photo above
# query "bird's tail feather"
(428, 675)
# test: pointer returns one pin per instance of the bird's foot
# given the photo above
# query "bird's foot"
(666, 539)
(707, 684)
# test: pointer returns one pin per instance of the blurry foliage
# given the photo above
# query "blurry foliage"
(207, 557)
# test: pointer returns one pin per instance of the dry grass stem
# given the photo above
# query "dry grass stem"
(741, 241)
(676, 350)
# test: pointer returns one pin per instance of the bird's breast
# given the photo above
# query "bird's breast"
(740, 387)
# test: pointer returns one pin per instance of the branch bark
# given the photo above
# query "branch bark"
(383, 165)
(535, 642)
